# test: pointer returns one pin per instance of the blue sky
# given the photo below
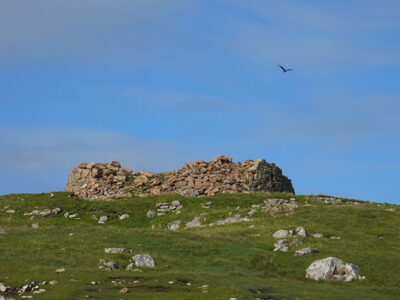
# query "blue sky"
(157, 83)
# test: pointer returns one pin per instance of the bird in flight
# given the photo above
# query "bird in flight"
(285, 70)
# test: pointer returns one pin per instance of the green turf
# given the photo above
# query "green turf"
(235, 261)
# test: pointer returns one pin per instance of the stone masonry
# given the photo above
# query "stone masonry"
(221, 175)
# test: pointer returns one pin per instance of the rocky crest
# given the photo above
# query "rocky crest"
(221, 175)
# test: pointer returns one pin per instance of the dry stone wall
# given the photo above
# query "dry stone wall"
(221, 175)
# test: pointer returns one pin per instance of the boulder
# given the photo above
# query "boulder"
(281, 234)
(333, 269)
(300, 231)
(143, 260)
(123, 217)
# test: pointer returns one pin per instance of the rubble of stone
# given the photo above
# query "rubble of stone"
(164, 208)
(221, 175)
(333, 269)
(98, 180)
(44, 213)
(35, 287)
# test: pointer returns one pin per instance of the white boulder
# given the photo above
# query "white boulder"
(333, 269)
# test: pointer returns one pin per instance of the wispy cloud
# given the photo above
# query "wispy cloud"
(47, 155)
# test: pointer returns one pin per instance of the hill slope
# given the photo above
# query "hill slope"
(233, 260)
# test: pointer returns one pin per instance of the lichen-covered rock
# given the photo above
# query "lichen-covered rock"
(143, 260)
(333, 269)
(221, 175)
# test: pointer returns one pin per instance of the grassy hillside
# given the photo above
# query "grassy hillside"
(234, 260)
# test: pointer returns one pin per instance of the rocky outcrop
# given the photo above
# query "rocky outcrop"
(221, 175)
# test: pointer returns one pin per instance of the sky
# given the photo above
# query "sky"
(156, 83)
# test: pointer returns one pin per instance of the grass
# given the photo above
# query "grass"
(235, 260)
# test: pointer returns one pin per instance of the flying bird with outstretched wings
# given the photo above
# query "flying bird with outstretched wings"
(285, 70)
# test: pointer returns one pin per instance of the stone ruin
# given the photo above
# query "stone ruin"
(221, 175)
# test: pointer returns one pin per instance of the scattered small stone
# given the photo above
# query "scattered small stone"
(10, 211)
(234, 219)
(35, 225)
(3, 230)
(390, 209)
(171, 282)
(114, 250)
(281, 245)
(71, 216)
(318, 235)
(305, 251)
(71, 234)
(53, 282)
(103, 219)
(335, 237)
(123, 217)
(60, 270)
(108, 265)
(51, 195)
(194, 223)
(296, 242)
(93, 282)
(174, 225)
(150, 213)
(251, 212)
(123, 290)
(188, 284)
(333, 269)
(300, 231)
(326, 200)
(3, 288)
